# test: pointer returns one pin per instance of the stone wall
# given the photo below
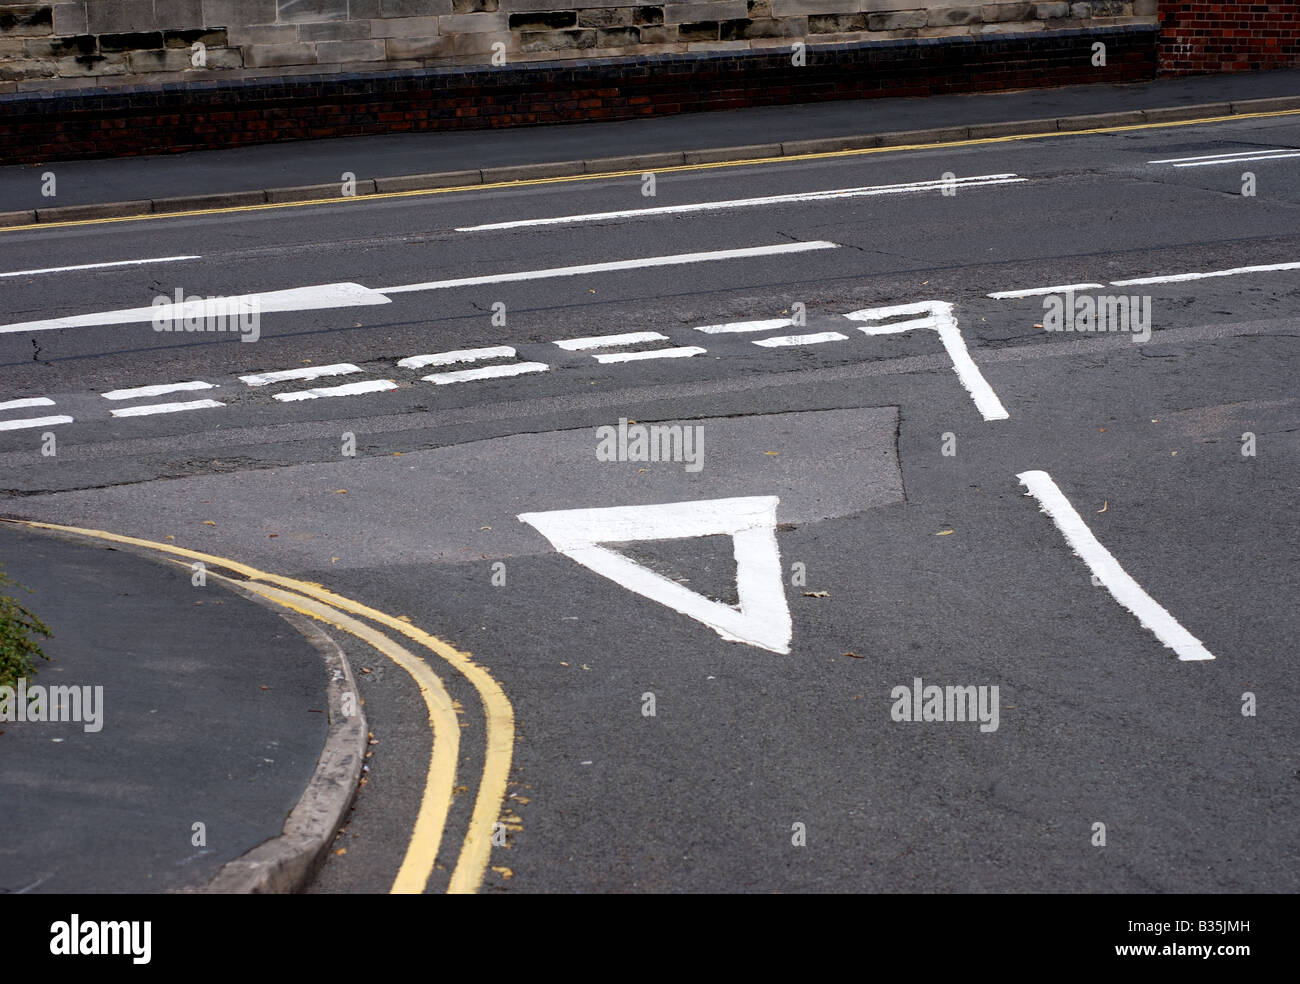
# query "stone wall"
(60, 44)
(1200, 37)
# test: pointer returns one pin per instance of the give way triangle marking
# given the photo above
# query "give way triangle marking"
(763, 616)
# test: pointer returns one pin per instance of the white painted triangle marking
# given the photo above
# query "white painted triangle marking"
(761, 619)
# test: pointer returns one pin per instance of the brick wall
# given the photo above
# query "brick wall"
(226, 112)
(1201, 37)
(70, 43)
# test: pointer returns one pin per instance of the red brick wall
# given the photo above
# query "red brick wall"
(1201, 37)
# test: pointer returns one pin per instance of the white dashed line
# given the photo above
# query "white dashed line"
(1238, 157)
(1035, 291)
(9, 425)
(346, 389)
(609, 341)
(740, 326)
(159, 390)
(99, 266)
(486, 372)
(814, 339)
(1105, 568)
(684, 352)
(307, 372)
(153, 408)
(31, 401)
(1180, 277)
(462, 355)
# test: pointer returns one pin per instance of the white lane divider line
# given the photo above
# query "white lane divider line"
(771, 324)
(816, 338)
(1238, 157)
(684, 352)
(1035, 291)
(158, 390)
(609, 341)
(346, 389)
(8, 425)
(152, 408)
(1105, 569)
(461, 355)
(938, 316)
(677, 259)
(486, 372)
(762, 618)
(30, 401)
(911, 187)
(306, 372)
(99, 266)
(1180, 277)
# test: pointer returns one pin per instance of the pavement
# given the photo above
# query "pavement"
(408, 161)
(199, 727)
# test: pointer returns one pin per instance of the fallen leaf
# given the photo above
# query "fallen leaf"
(1173, 452)
(340, 491)
(945, 532)
(481, 528)
(563, 663)
(816, 594)
(771, 452)
(1038, 326)
(854, 656)
(208, 522)
(1102, 429)
(365, 669)
(272, 536)
(340, 852)
(169, 537)
(263, 687)
(502, 870)
(1104, 506)
(403, 618)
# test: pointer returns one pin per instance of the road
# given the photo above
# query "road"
(1100, 527)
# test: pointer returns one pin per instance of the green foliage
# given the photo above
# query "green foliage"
(18, 645)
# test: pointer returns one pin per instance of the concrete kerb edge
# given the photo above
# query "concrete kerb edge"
(287, 864)
(648, 162)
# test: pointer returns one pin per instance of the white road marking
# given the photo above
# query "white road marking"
(761, 619)
(486, 372)
(346, 389)
(814, 339)
(771, 324)
(650, 261)
(306, 372)
(158, 390)
(939, 317)
(1242, 160)
(31, 401)
(99, 266)
(9, 425)
(911, 187)
(684, 352)
(1180, 277)
(1106, 569)
(153, 408)
(609, 341)
(1237, 157)
(1035, 291)
(462, 355)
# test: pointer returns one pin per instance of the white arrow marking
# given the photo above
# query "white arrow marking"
(1105, 568)
(938, 316)
(761, 619)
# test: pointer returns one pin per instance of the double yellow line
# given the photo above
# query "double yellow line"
(335, 609)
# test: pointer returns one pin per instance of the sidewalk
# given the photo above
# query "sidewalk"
(213, 711)
(266, 168)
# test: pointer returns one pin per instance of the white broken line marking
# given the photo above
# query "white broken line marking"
(1033, 291)
(641, 264)
(685, 352)
(608, 341)
(977, 181)
(99, 266)
(771, 324)
(159, 390)
(8, 425)
(939, 317)
(346, 389)
(1179, 277)
(153, 408)
(486, 372)
(813, 339)
(1106, 569)
(307, 372)
(31, 401)
(462, 355)
(1237, 157)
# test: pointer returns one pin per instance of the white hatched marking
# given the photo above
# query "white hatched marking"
(31, 401)
(684, 352)
(609, 341)
(307, 372)
(152, 408)
(486, 372)
(814, 339)
(158, 390)
(346, 389)
(9, 425)
(740, 326)
(462, 355)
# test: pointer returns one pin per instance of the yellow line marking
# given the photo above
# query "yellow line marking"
(604, 175)
(499, 714)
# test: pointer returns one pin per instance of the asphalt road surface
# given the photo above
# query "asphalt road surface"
(1093, 530)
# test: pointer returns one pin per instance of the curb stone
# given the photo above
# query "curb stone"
(573, 169)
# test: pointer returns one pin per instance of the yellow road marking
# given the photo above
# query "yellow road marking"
(604, 175)
(498, 713)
